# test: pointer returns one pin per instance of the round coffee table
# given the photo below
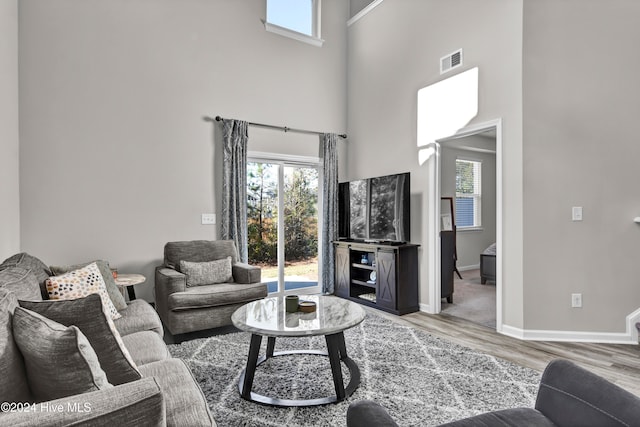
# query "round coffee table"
(268, 317)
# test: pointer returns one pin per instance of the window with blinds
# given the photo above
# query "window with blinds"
(468, 193)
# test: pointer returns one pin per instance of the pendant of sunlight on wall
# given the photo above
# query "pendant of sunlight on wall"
(444, 108)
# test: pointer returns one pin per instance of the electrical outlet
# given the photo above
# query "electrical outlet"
(208, 219)
(576, 300)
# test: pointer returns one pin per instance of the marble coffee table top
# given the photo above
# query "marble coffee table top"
(268, 317)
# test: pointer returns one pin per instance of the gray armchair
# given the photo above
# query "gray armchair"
(185, 308)
(568, 396)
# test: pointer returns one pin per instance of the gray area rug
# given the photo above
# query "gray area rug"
(422, 380)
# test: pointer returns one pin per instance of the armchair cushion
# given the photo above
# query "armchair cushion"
(198, 251)
(207, 273)
(88, 315)
(216, 295)
(59, 360)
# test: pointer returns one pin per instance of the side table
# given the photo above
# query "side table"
(128, 281)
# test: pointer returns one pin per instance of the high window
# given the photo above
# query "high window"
(468, 193)
(297, 19)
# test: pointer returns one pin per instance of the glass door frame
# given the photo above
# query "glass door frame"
(284, 160)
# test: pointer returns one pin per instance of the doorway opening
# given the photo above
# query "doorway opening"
(468, 170)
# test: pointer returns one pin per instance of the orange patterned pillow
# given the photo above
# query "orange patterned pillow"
(80, 283)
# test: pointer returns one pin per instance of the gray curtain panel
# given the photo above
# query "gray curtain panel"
(328, 143)
(234, 185)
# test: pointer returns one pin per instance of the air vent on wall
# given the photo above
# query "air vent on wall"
(451, 61)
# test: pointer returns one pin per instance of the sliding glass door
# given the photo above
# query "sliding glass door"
(283, 223)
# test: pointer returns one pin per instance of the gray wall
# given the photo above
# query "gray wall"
(393, 52)
(115, 157)
(9, 135)
(471, 243)
(581, 148)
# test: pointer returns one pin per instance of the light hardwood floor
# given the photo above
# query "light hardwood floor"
(618, 363)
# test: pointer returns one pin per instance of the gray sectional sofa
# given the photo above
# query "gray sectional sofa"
(146, 387)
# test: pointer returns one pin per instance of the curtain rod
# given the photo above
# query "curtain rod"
(282, 128)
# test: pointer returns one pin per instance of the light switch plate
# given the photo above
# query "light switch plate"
(576, 213)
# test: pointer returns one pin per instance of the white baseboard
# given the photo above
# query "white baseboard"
(630, 336)
(469, 267)
(426, 308)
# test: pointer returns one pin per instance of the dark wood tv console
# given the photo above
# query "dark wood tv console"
(380, 275)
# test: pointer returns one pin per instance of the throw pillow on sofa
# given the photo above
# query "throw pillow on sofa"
(80, 283)
(207, 273)
(112, 289)
(88, 315)
(59, 360)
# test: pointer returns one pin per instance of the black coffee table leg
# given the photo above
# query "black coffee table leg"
(337, 351)
(271, 343)
(252, 360)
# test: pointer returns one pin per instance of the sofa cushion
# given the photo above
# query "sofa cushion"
(365, 413)
(216, 295)
(88, 315)
(185, 403)
(80, 283)
(572, 396)
(198, 251)
(516, 417)
(13, 386)
(29, 262)
(59, 360)
(138, 316)
(112, 289)
(207, 273)
(21, 282)
(146, 347)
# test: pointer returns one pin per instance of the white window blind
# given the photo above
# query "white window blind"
(468, 193)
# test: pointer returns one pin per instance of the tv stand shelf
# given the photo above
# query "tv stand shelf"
(363, 266)
(380, 275)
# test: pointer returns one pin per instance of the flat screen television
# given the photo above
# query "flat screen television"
(375, 209)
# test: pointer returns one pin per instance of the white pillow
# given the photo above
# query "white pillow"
(80, 283)
(207, 273)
